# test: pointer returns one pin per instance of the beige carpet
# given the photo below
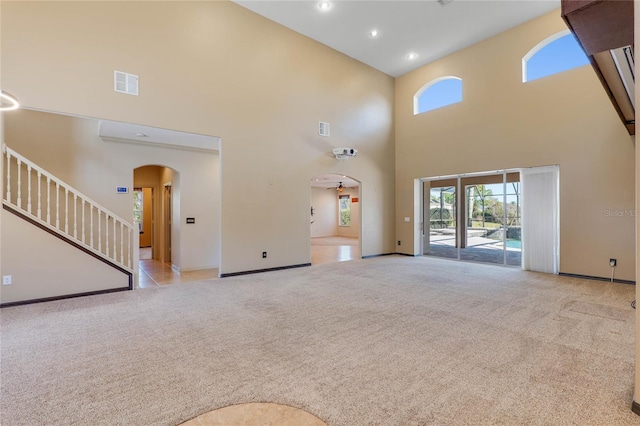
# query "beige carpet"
(384, 341)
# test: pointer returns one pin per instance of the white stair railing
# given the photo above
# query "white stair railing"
(65, 211)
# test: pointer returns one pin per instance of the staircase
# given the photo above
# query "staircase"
(37, 196)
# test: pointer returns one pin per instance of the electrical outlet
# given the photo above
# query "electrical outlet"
(613, 262)
(6, 280)
(264, 254)
(399, 242)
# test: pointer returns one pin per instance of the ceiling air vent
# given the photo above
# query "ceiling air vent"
(125, 83)
(324, 129)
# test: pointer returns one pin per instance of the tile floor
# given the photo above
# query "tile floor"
(334, 249)
(154, 273)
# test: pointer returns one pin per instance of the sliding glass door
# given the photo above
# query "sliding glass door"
(484, 228)
(441, 222)
(513, 224)
(474, 218)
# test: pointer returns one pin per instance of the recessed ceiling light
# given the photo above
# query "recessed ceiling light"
(324, 5)
(412, 56)
(373, 33)
(8, 102)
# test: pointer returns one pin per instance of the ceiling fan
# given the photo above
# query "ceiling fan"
(340, 187)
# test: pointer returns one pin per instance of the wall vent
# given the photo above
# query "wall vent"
(125, 83)
(324, 129)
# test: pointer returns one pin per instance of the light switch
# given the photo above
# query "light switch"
(407, 219)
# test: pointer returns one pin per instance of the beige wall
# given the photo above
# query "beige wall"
(70, 148)
(501, 123)
(216, 68)
(42, 265)
(325, 215)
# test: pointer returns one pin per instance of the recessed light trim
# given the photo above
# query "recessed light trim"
(324, 5)
(8, 102)
(373, 33)
(411, 56)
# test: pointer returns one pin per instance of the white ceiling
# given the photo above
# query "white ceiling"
(423, 27)
(331, 181)
(134, 133)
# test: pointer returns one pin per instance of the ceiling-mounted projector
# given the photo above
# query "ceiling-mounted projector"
(344, 153)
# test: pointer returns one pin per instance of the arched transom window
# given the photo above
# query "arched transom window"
(557, 53)
(437, 93)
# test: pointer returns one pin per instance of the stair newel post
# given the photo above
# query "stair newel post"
(8, 176)
(19, 189)
(48, 199)
(83, 222)
(75, 215)
(29, 188)
(39, 195)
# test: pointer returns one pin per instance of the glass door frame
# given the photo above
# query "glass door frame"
(462, 210)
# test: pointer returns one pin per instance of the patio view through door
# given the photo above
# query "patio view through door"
(474, 218)
(441, 214)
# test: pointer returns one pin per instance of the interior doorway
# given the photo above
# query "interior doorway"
(143, 216)
(155, 189)
(335, 219)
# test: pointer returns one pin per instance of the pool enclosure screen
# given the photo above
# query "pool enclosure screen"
(474, 218)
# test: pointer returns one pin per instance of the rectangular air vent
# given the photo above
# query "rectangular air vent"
(323, 129)
(125, 83)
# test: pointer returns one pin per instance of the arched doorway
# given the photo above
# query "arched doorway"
(335, 224)
(154, 209)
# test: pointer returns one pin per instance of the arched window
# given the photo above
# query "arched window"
(558, 53)
(437, 93)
